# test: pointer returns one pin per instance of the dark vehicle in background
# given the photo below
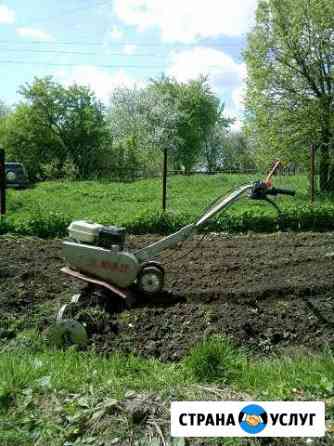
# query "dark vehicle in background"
(16, 175)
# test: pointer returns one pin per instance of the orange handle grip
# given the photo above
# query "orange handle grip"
(273, 170)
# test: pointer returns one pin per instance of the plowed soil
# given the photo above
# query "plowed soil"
(267, 293)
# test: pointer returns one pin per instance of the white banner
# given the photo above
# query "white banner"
(248, 419)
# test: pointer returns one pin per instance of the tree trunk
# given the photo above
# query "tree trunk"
(324, 168)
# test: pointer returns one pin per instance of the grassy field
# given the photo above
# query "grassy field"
(47, 209)
(77, 398)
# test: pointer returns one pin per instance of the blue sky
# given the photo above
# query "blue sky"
(111, 43)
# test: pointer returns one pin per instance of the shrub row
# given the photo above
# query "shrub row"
(54, 224)
(49, 225)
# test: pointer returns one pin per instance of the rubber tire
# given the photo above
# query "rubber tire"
(150, 270)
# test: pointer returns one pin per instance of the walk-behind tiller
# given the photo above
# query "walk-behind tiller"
(98, 255)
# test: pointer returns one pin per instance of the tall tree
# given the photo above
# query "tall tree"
(26, 140)
(200, 110)
(4, 109)
(215, 143)
(142, 122)
(238, 153)
(290, 93)
(74, 120)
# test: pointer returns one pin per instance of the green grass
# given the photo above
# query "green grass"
(48, 208)
(54, 396)
(216, 360)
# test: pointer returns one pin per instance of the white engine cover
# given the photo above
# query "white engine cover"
(84, 231)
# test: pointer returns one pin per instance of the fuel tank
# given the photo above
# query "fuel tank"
(116, 267)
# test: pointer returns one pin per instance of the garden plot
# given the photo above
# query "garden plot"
(267, 293)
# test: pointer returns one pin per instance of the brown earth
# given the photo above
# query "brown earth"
(267, 293)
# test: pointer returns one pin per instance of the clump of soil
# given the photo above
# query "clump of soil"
(267, 293)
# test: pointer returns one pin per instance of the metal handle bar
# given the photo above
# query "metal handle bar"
(276, 191)
(186, 232)
(259, 191)
(224, 203)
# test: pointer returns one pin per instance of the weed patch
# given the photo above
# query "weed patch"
(216, 360)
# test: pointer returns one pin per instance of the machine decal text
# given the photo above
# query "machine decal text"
(112, 266)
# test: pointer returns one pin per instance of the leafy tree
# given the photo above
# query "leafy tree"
(142, 122)
(228, 150)
(179, 117)
(199, 110)
(238, 153)
(72, 121)
(290, 81)
(26, 140)
(215, 144)
(126, 117)
(4, 109)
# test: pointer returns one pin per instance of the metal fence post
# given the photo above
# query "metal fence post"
(312, 175)
(164, 182)
(2, 183)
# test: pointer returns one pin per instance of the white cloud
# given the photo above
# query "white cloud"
(130, 49)
(100, 81)
(187, 20)
(7, 16)
(223, 72)
(35, 34)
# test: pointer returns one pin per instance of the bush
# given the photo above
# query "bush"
(216, 360)
(47, 209)
(52, 171)
(51, 225)
(158, 222)
(47, 224)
